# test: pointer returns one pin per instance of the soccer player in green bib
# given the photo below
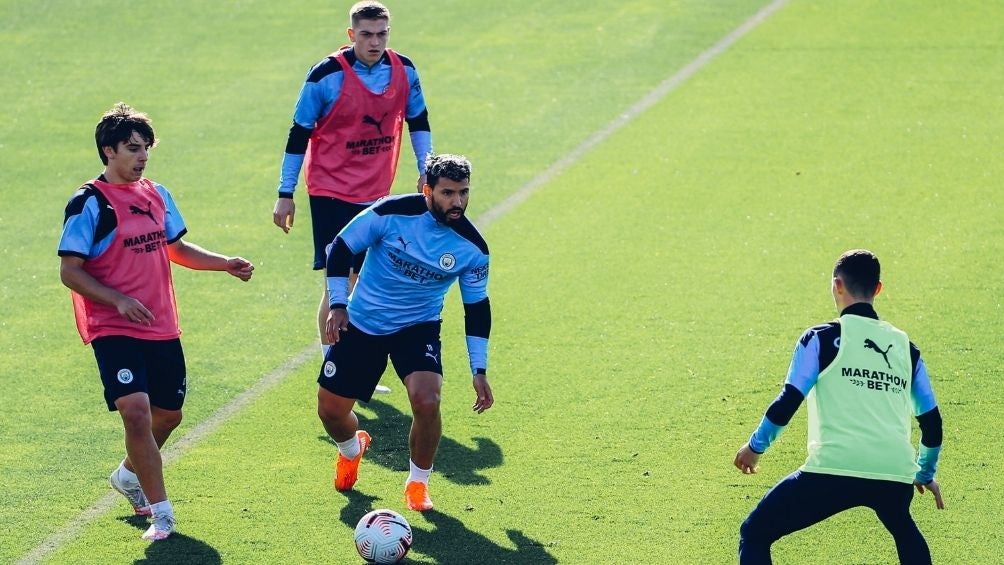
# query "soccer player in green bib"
(862, 379)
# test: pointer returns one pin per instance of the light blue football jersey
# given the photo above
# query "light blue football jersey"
(411, 261)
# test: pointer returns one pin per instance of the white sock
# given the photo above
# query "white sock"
(126, 476)
(349, 448)
(325, 347)
(161, 508)
(417, 473)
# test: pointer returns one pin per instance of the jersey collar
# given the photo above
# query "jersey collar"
(862, 309)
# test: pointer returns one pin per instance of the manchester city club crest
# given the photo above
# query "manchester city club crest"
(447, 261)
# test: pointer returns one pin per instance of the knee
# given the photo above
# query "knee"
(425, 404)
(752, 532)
(745, 530)
(167, 419)
(330, 411)
(135, 417)
(325, 413)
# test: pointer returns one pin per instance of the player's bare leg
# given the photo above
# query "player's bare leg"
(124, 479)
(336, 414)
(143, 455)
(342, 425)
(424, 389)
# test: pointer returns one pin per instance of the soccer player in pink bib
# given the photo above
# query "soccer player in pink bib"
(346, 134)
(121, 232)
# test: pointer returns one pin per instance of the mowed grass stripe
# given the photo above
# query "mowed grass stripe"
(636, 109)
(176, 450)
(209, 426)
(704, 250)
(222, 126)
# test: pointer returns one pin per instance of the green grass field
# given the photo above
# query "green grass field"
(645, 300)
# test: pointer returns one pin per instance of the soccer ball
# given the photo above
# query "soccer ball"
(383, 536)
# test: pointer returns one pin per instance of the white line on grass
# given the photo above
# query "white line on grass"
(221, 416)
(649, 100)
(172, 453)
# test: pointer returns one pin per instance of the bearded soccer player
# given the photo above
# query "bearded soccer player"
(862, 379)
(121, 233)
(418, 244)
(347, 132)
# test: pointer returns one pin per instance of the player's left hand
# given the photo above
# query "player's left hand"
(935, 489)
(240, 268)
(485, 399)
(421, 183)
(747, 459)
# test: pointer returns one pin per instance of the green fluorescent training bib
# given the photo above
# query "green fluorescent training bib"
(860, 409)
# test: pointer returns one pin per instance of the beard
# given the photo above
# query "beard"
(443, 216)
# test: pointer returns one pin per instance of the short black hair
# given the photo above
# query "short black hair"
(860, 271)
(368, 10)
(117, 125)
(453, 167)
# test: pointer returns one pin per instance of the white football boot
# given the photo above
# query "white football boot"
(132, 492)
(163, 525)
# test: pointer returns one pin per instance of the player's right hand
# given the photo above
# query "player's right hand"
(134, 311)
(283, 212)
(935, 489)
(338, 321)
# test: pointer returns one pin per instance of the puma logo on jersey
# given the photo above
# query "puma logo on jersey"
(367, 119)
(404, 244)
(869, 344)
(137, 211)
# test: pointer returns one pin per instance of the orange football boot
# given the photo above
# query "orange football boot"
(347, 470)
(416, 494)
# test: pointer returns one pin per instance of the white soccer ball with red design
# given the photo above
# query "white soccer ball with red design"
(383, 536)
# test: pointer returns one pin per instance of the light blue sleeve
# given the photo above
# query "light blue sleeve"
(174, 223)
(291, 165)
(764, 435)
(78, 231)
(474, 282)
(421, 142)
(928, 461)
(338, 290)
(920, 390)
(477, 353)
(416, 98)
(803, 371)
(317, 98)
(363, 231)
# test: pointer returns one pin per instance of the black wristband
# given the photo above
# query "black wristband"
(286, 195)
(338, 305)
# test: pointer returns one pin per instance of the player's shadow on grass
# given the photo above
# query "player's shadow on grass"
(450, 541)
(454, 461)
(178, 548)
(466, 546)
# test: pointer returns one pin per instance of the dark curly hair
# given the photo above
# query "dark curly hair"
(453, 167)
(117, 125)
